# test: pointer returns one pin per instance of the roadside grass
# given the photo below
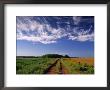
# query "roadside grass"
(40, 65)
(33, 65)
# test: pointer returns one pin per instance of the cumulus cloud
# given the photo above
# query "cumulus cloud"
(33, 30)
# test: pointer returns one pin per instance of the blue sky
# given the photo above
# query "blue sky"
(71, 35)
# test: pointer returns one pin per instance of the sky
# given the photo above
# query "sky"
(64, 35)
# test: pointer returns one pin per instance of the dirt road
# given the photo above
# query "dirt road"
(57, 68)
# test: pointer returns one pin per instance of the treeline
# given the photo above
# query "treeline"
(46, 56)
(25, 56)
(55, 56)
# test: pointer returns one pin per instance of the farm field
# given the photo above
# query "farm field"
(37, 65)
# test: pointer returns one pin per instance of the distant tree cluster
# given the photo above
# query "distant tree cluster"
(66, 56)
(55, 56)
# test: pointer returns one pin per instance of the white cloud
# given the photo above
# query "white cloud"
(43, 33)
(81, 34)
(34, 31)
(76, 19)
(88, 37)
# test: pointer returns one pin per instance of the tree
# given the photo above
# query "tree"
(66, 56)
(52, 56)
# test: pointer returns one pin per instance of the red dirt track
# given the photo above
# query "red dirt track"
(57, 70)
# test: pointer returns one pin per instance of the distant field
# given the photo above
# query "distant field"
(54, 65)
(79, 65)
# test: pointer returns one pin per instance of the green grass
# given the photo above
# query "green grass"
(40, 66)
(58, 67)
(33, 65)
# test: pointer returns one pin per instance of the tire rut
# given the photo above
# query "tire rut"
(57, 68)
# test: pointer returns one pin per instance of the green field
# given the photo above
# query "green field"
(33, 65)
(45, 65)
